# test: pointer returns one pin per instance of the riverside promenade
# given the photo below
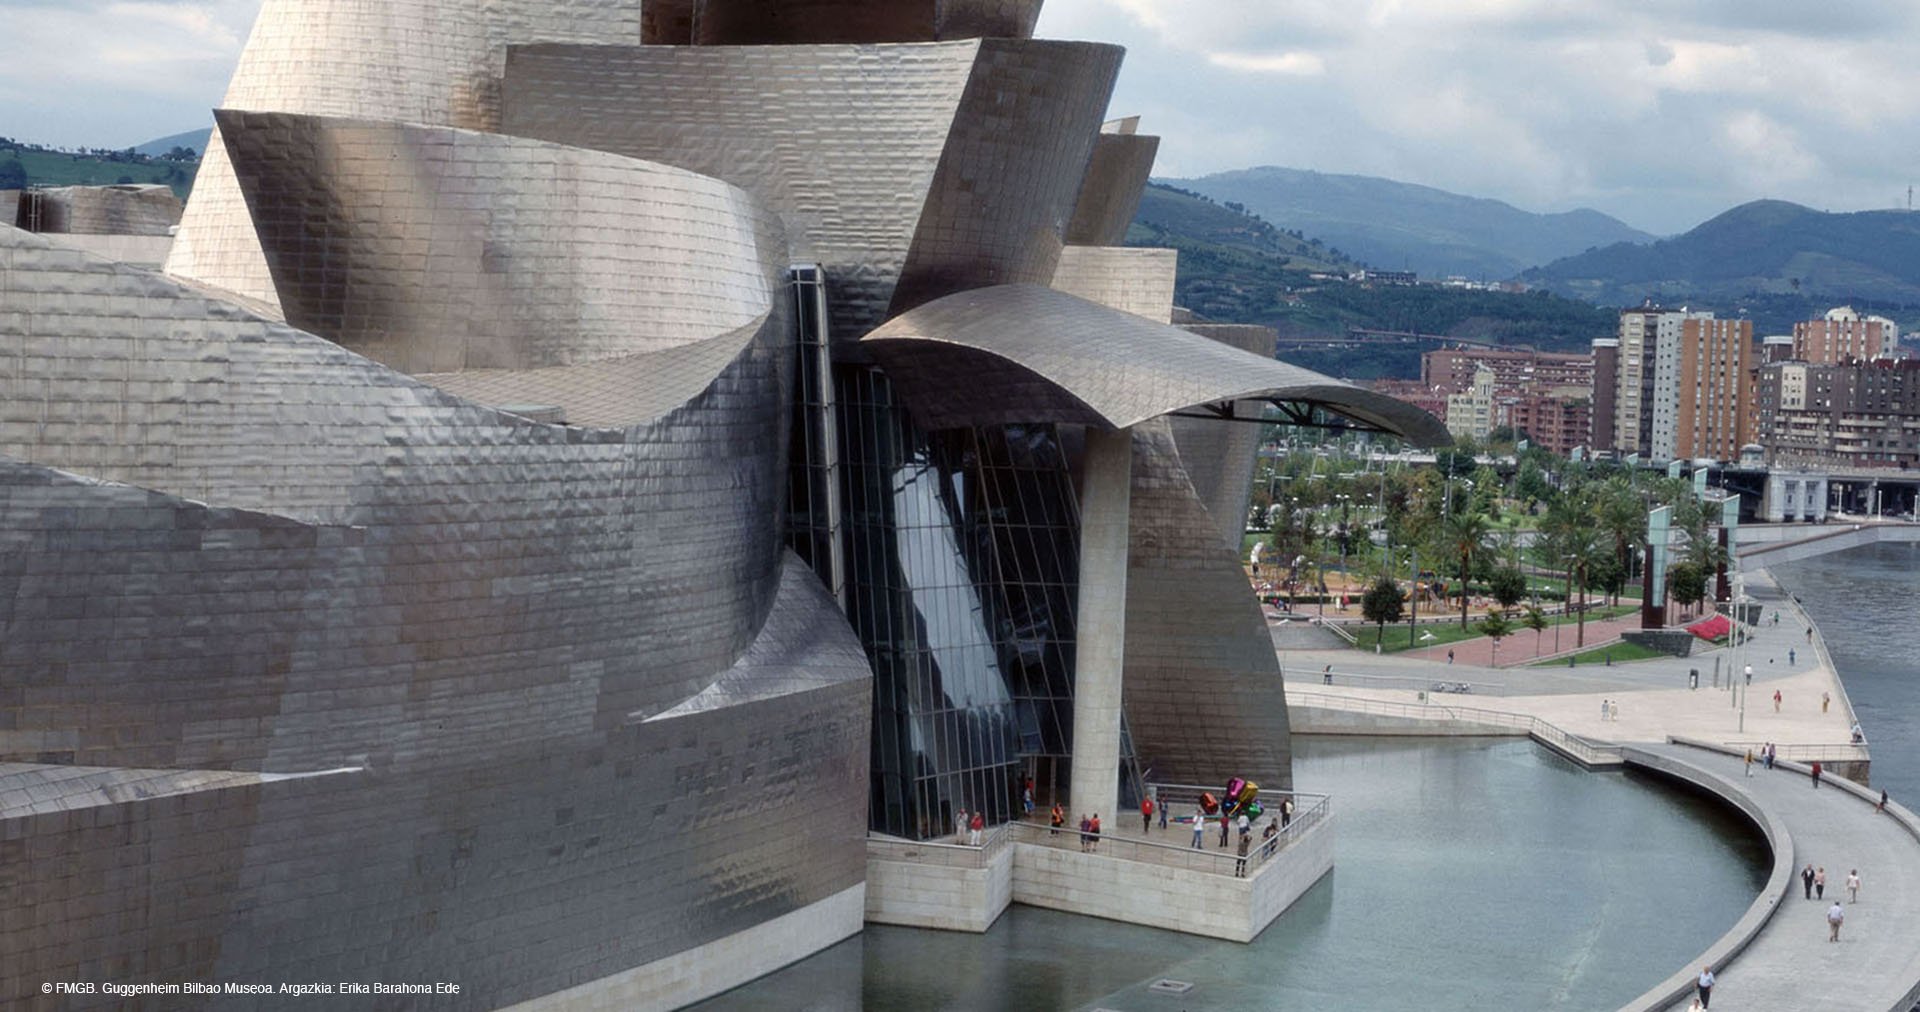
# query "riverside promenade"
(1777, 956)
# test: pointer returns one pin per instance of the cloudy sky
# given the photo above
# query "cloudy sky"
(1662, 113)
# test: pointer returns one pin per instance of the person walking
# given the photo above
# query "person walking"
(1226, 827)
(1820, 884)
(1791, 659)
(1086, 828)
(1270, 837)
(1603, 710)
(1776, 700)
(1199, 827)
(1093, 830)
(1163, 817)
(1853, 885)
(1286, 812)
(1836, 915)
(1613, 711)
(1881, 808)
(1806, 879)
(1704, 985)
(1814, 771)
(1240, 863)
(1146, 815)
(1766, 755)
(1809, 634)
(1057, 818)
(979, 823)
(1449, 655)
(1749, 762)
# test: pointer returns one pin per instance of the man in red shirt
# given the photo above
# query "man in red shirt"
(1146, 814)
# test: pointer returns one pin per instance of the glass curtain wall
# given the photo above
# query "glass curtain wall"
(962, 552)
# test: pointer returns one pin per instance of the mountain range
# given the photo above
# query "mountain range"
(1401, 226)
(1768, 248)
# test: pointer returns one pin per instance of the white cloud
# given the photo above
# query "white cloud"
(1662, 114)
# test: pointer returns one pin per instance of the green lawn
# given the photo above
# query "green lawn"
(1396, 637)
(1619, 653)
(49, 168)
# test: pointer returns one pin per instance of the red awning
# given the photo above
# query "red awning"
(1712, 628)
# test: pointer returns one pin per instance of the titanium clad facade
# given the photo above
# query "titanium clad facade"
(568, 675)
(431, 62)
(1116, 178)
(787, 22)
(1218, 456)
(1130, 279)
(1203, 689)
(494, 252)
(906, 171)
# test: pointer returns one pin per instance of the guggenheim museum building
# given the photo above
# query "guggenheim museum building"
(586, 465)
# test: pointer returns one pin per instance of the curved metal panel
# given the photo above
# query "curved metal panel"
(1218, 456)
(436, 62)
(905, 171)
(1120, 369)
(431, 249)
(1110, 194)
(470, 607)
(1204, 695)
(788, 22)
(484, 551)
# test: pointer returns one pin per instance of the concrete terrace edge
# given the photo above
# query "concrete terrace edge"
(1675, 987)
(1902, 815)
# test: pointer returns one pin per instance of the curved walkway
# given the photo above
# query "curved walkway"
(1790, 964)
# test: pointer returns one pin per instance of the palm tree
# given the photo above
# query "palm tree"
(1622, 516)
(1580, 544)
(1536, 620)
(1463, 533)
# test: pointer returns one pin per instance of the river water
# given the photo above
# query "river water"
(1472, 874)
(1866, 602)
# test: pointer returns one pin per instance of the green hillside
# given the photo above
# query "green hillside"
(1237, 268)
(1765, 251)
(31, 165)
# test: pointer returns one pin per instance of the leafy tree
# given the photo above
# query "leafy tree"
(1508, 585)
(1381, 604)
(1687, 582)
(1463, 535)
(1536, 620)
(1496, 627)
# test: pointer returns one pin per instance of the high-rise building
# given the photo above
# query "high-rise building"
(1844, 335)
(1647, 381)
(574, 490)
(1606, 380)
(1715, 359)
(1853, 414)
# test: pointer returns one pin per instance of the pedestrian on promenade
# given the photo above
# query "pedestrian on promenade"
(1271, 836)
(1881, 808)
(1695, 1006)
(1199, 827)
(1449, 655)
(1086, 832)
(1613, 711)
(960, 827)
(1773, 752)
(1240, 864)
(1776, 700)
(1836, 914)
(1146, 815)
(1790, 660)
(1820, 884)
(1603, 710)
(1163, 817)
(1809, 634)
(1026, 795)
(1825, 699)
(1058, 818)
(1816, 774)
(979, 823)
(1749, 762)
(1245, 827)
(1326, 673)
(1093, 828)
(1286, 811)
(1705, 986)
(1853, 886)
(1226, 826)
(1806, 879)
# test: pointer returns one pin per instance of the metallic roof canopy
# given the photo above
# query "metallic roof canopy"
(1026, 353)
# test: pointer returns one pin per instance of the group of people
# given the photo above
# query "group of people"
(1814, 881)
(1610, 710)
(1269, 836)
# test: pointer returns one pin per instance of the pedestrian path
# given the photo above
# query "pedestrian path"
(1790, 964)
